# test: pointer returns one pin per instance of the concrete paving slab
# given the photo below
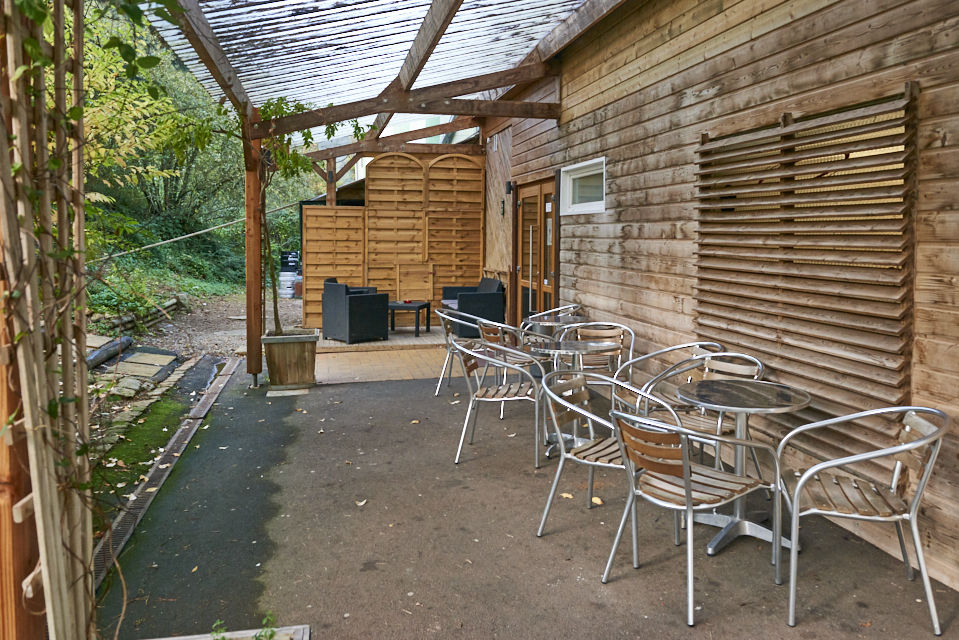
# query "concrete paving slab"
(140, 370)
(157, 359)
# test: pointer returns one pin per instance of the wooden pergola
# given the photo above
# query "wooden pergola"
(488, 95)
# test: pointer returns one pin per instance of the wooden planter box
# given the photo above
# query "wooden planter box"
(291, 358)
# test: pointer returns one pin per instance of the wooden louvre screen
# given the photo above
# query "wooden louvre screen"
(805, 261)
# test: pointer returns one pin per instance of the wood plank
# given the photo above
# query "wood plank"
(447, 106)
(372, 146)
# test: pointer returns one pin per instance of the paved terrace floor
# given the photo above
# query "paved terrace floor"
(339, 510)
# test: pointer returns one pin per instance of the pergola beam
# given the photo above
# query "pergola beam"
(397, 101)
(378, 146)
(450, 107)
(198, 32)
(437, 19)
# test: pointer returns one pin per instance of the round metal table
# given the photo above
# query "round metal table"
(741, 398)
(576, 349)
(554, 322)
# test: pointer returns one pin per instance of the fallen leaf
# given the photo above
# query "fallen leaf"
(195, 568)
(196, 446)
(337, 401)
(414, 422)
(348, 462)
(176, 455)
(321, 431)
(163, 466)
(470, 561)
(456, 395)
(455, 402)
(304, 410)
(360, 504)
(865, 624)
(264, 420)
(512, 435)
(120, 485)
(566, 495)
(141, 420)
(597, 500)
(151, 489)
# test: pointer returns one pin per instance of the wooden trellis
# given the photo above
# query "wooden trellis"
(44, 398)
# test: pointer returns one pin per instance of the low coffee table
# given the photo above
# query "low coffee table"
(415, 306)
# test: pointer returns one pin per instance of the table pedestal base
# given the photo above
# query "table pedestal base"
(733, 527)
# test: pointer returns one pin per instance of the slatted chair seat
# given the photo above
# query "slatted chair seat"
(510, 391)
(601, 451)
(710, 486)
(833, 493)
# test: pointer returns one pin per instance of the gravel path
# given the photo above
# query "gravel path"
(209, 329)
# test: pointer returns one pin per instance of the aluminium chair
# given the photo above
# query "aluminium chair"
(568, 398)
(723, 365)
(526, 388)
(606, 363)
(819, 490)
(565, 310)
(449, 320)
(660, 470)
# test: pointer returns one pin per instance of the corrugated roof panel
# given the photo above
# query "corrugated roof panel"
(336, 51)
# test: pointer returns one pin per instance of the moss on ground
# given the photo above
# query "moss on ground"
(126, 464)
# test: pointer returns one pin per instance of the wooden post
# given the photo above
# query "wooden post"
(331, 182)
(254, 272)
(19, 549)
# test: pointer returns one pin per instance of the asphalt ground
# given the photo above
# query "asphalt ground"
(337, 510)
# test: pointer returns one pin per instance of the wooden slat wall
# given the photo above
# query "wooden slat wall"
(642, 86)
(333, 239)
(805, 261)
(407, 242)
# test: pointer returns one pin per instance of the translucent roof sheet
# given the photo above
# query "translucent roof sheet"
(337, 51)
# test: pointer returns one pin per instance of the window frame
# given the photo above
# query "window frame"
(580, 170)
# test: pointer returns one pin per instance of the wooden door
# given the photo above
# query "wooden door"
(536, 222)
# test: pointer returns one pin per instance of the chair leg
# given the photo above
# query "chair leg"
(589, 488)
(536, 432)
(690, 604)
(777, 534)
(905, 555)
(677, 525)
(449, 375)
(793, 561)
(552, 494)
(921, 561)
(475, 412)
(443, 373)
(466, 424)
(635, 538)
(619, 535)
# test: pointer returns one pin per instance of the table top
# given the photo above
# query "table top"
(573, 347)
(413, 304)
(555, 321)
(743, 396)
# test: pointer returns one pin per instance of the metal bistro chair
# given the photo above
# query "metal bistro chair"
(818, 491)
(513, 338)
(525, 388)
(448, 319)
(659, 470)
(626, 369)
(723, 365)
(568, 398)
(565, 310)
(607, 363)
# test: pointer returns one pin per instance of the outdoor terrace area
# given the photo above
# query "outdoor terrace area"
(342, 509)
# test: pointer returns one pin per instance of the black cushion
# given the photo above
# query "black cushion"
(489, 285)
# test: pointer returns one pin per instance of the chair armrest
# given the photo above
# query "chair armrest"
(654, 354)
(363, 302)
(451, 293)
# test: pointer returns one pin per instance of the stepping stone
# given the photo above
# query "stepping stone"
(157, 359)
(139, 370)
(95, 342)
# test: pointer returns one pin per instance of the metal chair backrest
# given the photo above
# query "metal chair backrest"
(565, 310)
(625, 371)
(649, 444)
(723, 365)
(569, 398)
(495, 355)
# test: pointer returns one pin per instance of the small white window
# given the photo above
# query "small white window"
(583, 188)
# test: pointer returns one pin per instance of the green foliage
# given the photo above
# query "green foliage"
(268, 632)
(219, 631)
